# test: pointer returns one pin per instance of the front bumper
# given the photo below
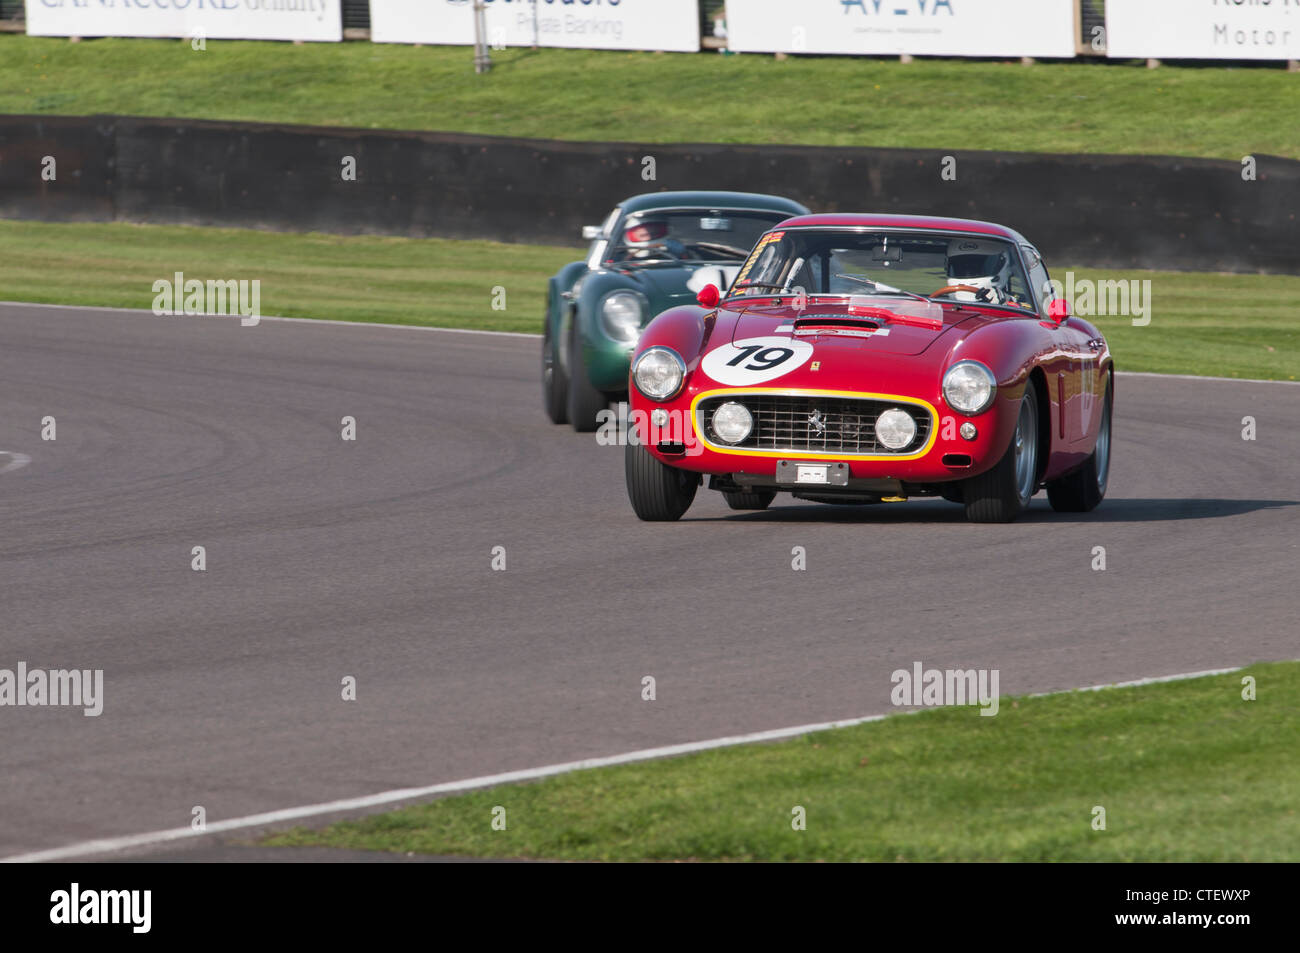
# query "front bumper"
(678, 438)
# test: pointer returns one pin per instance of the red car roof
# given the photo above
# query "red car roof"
(902, 221)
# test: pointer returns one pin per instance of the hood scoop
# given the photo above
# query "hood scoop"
(838, 324)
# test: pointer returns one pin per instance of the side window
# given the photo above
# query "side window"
(1039, 279)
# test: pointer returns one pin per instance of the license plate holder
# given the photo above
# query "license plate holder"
(812, 473)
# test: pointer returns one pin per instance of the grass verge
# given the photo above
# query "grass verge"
(437, 282)
(681, 97)
(1186, 771)
(1221, 325)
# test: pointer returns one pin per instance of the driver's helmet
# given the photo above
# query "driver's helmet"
(990, 273)
(644, 232)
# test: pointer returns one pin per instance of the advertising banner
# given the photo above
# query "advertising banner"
(586, 24)
(1203, 29)
(888, 27)
(211, 19)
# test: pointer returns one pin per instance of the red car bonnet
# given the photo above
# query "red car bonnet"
(886, 330)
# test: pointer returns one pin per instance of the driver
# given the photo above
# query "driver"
(648, 237)
(988, 275)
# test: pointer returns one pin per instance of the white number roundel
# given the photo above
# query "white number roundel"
(755, 360)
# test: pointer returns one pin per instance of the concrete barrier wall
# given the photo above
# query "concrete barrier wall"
(1109, 211)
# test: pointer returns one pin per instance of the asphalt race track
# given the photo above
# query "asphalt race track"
(371, 559)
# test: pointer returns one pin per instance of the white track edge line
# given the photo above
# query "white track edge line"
(1200, 377)
(112, 844)
(315, 321)
(16, 460)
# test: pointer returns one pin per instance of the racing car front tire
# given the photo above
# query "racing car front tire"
(555, 388)
(585, 402)
(1082, 490)
(659, 493)
(757, 500)
(1001, 494)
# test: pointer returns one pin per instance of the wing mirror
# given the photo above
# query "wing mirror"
(1058, 310)
(709, 296)
(590, 233)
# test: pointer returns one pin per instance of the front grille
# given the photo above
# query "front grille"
(791, 423)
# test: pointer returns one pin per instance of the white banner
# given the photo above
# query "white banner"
(587, 24)
(1203, 29)
(888, 27)
(210, 19)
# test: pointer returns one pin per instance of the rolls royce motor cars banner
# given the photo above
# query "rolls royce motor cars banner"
(591, 24)
(1203, 29)
(925, 27)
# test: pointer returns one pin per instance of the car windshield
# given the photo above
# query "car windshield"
(930, 264)
(659, 235)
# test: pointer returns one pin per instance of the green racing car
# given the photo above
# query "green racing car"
(653, 252)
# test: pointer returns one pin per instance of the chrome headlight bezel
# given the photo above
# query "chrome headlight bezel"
(952, 396)
(621, 314)
(674, 360)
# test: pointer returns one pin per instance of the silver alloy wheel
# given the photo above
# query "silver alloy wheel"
(1026, 442)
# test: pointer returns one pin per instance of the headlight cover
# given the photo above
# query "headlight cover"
(732, 422)
(620, 316)
(969, 387)
(658, 373)
(895, 428)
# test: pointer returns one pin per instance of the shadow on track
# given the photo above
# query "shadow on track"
(935, 511)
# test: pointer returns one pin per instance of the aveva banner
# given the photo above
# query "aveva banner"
(589, 24)
(1203, 29)
(887, 27)
(210, 19)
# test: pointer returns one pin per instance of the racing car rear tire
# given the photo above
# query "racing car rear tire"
(585, 402)
(1082, 490)
(757, 500)
(659, 493)
(555, 387)
(1001, 494)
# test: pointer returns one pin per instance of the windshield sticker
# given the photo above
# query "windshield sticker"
(763, 242)
(755, 360)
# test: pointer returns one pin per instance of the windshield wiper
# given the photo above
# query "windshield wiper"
(878, 288)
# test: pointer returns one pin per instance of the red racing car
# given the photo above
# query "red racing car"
(873, 358)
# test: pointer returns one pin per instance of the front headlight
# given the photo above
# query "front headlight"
(969, 387)
(620, 315)
(658, 373)
(732, 422)
(895, 428)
